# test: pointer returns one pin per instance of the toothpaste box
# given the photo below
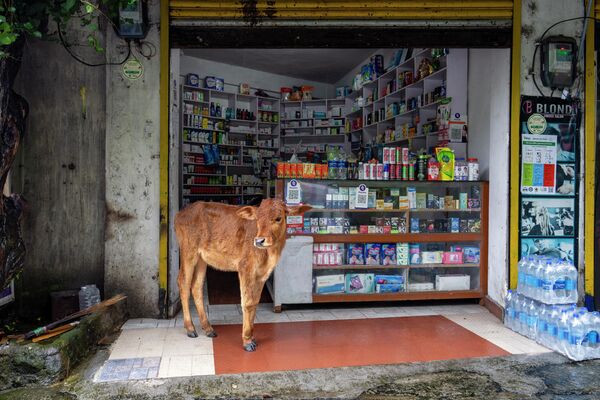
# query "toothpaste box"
(356, 254)
(389, 279)
(471, 255)
(402, 254)
(388, 254)
(389, 288)
(421, 200)
(412, 197)
(325, 284)
(414, 225)
(360, 283)
(373, 254)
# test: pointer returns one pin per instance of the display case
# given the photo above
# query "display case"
(392, 240)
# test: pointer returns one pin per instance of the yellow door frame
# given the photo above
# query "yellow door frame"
(515, 106)
(590, 155)
(163, 269)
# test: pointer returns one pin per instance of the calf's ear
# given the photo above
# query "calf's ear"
(297, 210)
(247, 212)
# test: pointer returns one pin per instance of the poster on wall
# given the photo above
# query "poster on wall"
(548, 184)
(548, 217)
(562, 248)
(538, 164)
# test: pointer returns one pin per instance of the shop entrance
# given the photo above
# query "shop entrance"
(330, 72)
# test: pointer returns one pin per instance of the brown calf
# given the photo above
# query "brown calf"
(248, 240)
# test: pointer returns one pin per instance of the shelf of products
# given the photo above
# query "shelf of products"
(413, 240)
(402, 102)
(228, 142)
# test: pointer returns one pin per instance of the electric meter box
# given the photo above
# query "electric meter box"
(559, 58)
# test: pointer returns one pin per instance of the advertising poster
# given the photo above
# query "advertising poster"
(538, 166)
(548, 184)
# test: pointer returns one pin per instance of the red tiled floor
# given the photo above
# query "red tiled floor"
(341, 343)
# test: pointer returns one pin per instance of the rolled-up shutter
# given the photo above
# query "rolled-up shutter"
(282, 11)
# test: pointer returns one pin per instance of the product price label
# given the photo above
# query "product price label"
(362, 197)
(293, 194)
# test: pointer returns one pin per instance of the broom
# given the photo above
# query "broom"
(86, 311)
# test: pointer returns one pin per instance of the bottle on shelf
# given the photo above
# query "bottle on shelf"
(212, 109)
(218, 110)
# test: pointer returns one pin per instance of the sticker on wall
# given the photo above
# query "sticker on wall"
(293, 194)
(536, 124)
(133, 70)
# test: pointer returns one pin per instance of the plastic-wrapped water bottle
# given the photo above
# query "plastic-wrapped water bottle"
(509, 309)
(88, 296)
(550, 339)
(521, 315)
(560, 284)
(574, 349)
(521, 274)
(591, 339)
(564, 329)
(542, 322)
(546, 283)
(532, 319)
(538, 274)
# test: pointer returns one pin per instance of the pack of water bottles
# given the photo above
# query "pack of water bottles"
(547, 280)
(567, 329)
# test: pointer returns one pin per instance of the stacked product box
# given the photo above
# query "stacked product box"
(328, 254)
(454, 255)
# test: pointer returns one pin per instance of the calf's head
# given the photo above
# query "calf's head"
(270, 219)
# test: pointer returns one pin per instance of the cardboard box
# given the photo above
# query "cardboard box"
(330, 284)
(360, 283)
(452, 282)
(420, 287)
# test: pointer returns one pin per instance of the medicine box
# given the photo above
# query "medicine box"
(431, 257)
(402, 253)
(420, 287)
(373, 254)
(360, 283)
(330, 284)
(452, 282)
(388, 254)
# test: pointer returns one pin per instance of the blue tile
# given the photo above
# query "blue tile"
(152, 372)
(138, 373)
(151, 362)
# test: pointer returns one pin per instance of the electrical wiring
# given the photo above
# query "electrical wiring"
(73, 55)
(532, 69)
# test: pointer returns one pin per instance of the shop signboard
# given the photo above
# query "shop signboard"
(548, 185)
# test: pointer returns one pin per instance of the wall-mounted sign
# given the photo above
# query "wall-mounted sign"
(538, 164)
(293, 194)
(133, 70)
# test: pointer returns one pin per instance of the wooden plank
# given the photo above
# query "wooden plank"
(343, 297)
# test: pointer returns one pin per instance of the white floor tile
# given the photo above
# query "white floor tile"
(348, 314)
(203, 365)
(178, 366)
(271, 318)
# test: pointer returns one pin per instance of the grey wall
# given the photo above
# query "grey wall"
(235, 75)
(132, 177)
(60, 171)
(489, 125)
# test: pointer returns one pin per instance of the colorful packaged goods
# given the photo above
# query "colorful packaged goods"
(373, 254)
(402, 253)
(445, 157)
(356, 254)
(388, 254)
(327, 284)
(360, 283)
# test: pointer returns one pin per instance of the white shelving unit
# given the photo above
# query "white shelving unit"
(247, 140)
(389, 93)
(311, 125)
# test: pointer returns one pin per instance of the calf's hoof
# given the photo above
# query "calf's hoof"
(211, 334)
(192, 334)
(250, 346)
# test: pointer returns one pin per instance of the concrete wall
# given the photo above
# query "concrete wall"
(60, 171)
(132, 176)
(489, 122)
(257, 79)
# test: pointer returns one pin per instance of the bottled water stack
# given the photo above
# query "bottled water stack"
(548, 280)
(88, 296)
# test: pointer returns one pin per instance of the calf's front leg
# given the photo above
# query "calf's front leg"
(250, 289)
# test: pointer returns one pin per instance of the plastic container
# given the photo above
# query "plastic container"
(473, 166)
(286, 92)
(88, 296)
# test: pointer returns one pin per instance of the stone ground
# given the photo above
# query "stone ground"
(542, 376)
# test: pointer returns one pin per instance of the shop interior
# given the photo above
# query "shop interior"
(238, 113)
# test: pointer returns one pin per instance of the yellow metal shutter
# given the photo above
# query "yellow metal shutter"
(288, 10)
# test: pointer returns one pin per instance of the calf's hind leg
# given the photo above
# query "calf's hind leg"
(198, 293)
(184, 280)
